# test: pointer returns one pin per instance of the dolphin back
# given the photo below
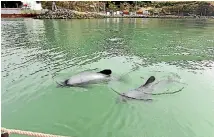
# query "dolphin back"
(86, 78)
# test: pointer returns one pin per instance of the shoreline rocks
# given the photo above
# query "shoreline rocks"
(71, 14)
(68, 14)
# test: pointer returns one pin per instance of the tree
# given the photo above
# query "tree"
(112, 6)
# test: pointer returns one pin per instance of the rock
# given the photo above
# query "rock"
(68, 14)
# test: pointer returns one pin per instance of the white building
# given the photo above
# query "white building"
(32, 4)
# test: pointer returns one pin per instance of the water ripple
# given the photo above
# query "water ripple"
(35, 50)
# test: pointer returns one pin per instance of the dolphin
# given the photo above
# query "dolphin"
(142, 92)
(137, 93)
(87, 77)
(90, 77)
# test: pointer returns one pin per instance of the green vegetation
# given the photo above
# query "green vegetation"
(185, 8)
(161, 8)
(76, 5)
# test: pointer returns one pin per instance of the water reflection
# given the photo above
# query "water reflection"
(61, 44)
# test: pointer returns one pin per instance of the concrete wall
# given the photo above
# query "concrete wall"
(10, 11)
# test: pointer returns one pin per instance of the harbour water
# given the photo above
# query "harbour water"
(33, 51)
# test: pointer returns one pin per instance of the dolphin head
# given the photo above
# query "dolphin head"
(150, 80)
(106, 72)
(66, 82)
(62, 84)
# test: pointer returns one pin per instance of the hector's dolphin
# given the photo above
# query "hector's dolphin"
(87, 77)
(90, 77)
(143, 91)
(137, 93)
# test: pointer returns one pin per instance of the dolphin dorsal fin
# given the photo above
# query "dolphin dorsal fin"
(150, 80)
(106, 72)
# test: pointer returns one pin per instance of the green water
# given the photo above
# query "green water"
(32, 51)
